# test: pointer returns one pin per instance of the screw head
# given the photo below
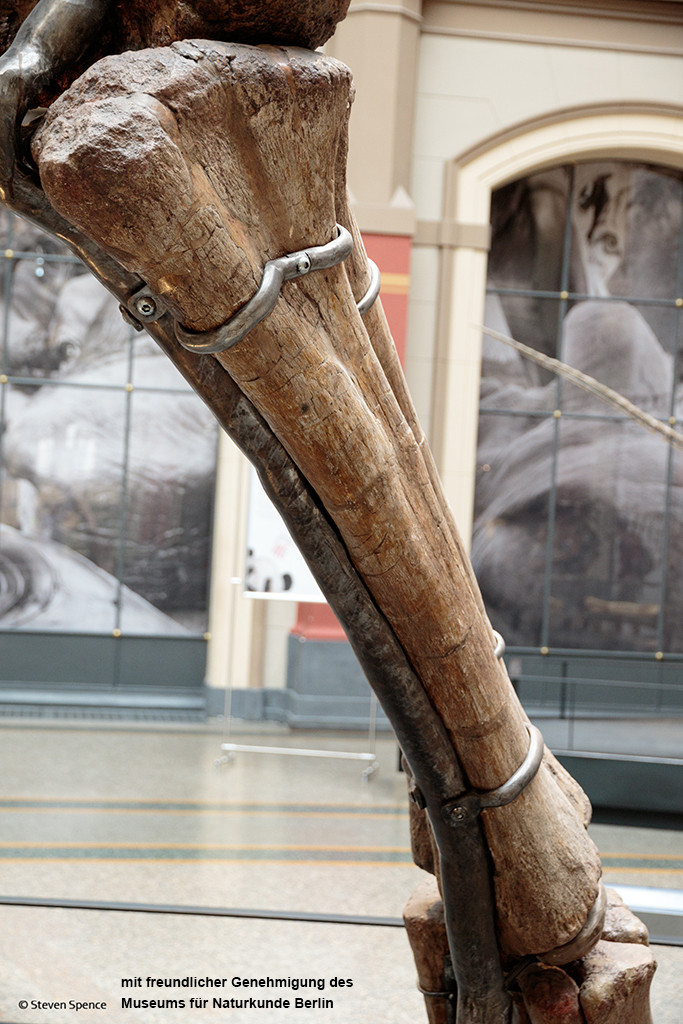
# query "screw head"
(458, 813)
(146, 306)
(303, 264)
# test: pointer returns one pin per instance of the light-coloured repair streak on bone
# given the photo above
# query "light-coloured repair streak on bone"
(592, 386)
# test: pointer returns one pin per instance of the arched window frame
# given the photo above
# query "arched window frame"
(619, 133)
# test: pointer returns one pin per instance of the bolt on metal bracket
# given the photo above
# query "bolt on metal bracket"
(143, 307)
(469, 805)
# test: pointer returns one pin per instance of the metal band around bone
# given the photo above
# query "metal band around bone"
(275, 273)
(470, 804)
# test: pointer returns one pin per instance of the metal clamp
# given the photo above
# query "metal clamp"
(499, 650)
(364, 304)
(417, 796)
(145, 307)
(573, 950)
(469, 805)
(449, 992)
(586, 938)
(275, 273)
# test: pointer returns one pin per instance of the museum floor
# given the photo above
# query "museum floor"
(140, 813)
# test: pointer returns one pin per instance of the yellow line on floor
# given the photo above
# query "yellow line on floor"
(274, 861)
(643, 856)
(145, 845)
(644, 871)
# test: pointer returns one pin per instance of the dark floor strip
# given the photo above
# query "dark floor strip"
(241, 912)
(296, 916)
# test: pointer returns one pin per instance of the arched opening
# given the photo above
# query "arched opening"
(650, 137)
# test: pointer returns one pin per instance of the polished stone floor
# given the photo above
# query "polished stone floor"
(142, 814)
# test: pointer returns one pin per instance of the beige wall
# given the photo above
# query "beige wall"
(485, 68)
(230, 615)
(379, 41)
(247, 636)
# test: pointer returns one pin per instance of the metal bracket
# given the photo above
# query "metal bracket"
(586, 938)
(469, 805)
(144, 307)
(499, 650)
(275, 273)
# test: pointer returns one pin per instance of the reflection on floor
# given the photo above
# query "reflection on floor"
(142, 814)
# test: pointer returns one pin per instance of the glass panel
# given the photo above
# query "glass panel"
(60, 321)
(152, 369)
(615, 343)
(528, 232)
(608, 537)
(66, 500)
(33, 343)
(40, 311)
(626, 227)
(170, 484)
(88, 325)
(610, 522)
(672, 639)
(531, 320)
(510, 534)
(63, 455)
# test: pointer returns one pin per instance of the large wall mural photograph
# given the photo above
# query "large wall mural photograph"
(107, 459)
(578, 538)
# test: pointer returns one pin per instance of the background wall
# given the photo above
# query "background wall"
(453, 100)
